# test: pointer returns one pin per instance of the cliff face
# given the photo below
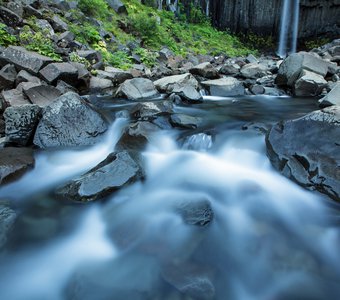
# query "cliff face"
(263, 16)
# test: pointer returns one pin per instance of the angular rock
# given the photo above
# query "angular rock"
(205, 70)
(332, 98)
(45, 26)
(69, 121)
(291, 68)
(309, 84)
(7, 219)
(91, 55)
(306, 150)
(254, 71)
(14, 162)
(58, 24)
(30, 11)
(42, 95)
(224, 87)
(24, 60)
(150, 110)
(64, 88)
(7, 77)
(137, 89)
(251, 59)
(116, 171)
(117, 6)
(257, 89)
(230, 69)
(66, 36)
(21, 122)
(117, 76)
(185, 121)
(184, 85)
(100, 84)
(60, 71)
(13, 98)
(24, 76)
(16, 7)
(9, 17)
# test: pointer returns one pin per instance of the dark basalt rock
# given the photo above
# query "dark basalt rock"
(307, 150)
(9, 17)
(60, 71)
(69, 121)
(14, 162)
(7, 77)
(116, 171)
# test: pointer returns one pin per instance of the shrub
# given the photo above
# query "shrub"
(148, 58)
(6, 39)
(94, 8)
(144, 25)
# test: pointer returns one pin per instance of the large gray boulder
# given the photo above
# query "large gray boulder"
(291, 68)
(14, 162)
(117, 170)
(24, 60)
(137, 89)
(309, 84)
(21, 122)
(117, 76)
(254, 70)
(307, 150)
(42, 95)
(205, 70)
(224, 87)
(69, 121)
(332, 98)
(184, 85)
(60, 71)
(13, 97)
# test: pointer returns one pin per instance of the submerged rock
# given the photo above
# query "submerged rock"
(307, 150)
(14, 162)
(69, 121)
(185, 121)
(117, 170)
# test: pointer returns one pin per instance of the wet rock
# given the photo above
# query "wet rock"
(69, 121)
(205, 70)
(60, 71)
(185, 121)
(184, 85)
(332, 98)
(9, 17)
(24, 60)
(7, 219)
(150, 110)
(306, 150)
(191, 280)
(42, 95)
(257, 89)
(137, 89)
(254, 71)
(116, 171)
(13, 98)
(198, 142)
(224, 87)
(309, 84)
(291, 68)
(14, 162)
(7, 77)
(21, 122)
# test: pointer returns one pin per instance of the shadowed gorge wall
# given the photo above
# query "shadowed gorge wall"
(263, 16)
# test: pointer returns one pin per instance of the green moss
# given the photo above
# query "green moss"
(6, 39)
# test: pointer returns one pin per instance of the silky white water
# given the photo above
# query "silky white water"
(268, 239)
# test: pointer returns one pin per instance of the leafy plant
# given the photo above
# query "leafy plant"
(86, 34)
(6, 38)
(149, 58)
(95, 8)
(39, 42)
(74, 57)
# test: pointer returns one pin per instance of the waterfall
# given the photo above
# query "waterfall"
(289, 27)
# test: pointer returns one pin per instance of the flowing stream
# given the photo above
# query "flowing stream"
(289, 27)
(268, 238)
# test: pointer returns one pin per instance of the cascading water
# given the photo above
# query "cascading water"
(211, 221)
(289, 27)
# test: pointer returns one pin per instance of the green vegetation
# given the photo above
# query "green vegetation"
(6, 39)
(39, 42)
(94, 8)
(316, 43)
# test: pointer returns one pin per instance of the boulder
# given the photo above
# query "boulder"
(98, 84)
(116, 171)
(91, 55)
(45, 26)
(117, 76)
(332, 98)
(307, 150)
(24, 76)
(291, 68)
(16, 7)
(117, 6)
(309, 84)
(224, 87)
(9, 17)
(254, 71)
(69, 121)
(58, 24)
(7, 219)
(185, 121)
(205, 70)
(257, 89)
(150, 110)
(21, 122)
(42, 95)
(7, 77)
(184, 85)
(64, 87)
(13, 98)
(24, 60)
(14, 162)
(137, 89)
(230, 69)
(251, 59)
(60, 71)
